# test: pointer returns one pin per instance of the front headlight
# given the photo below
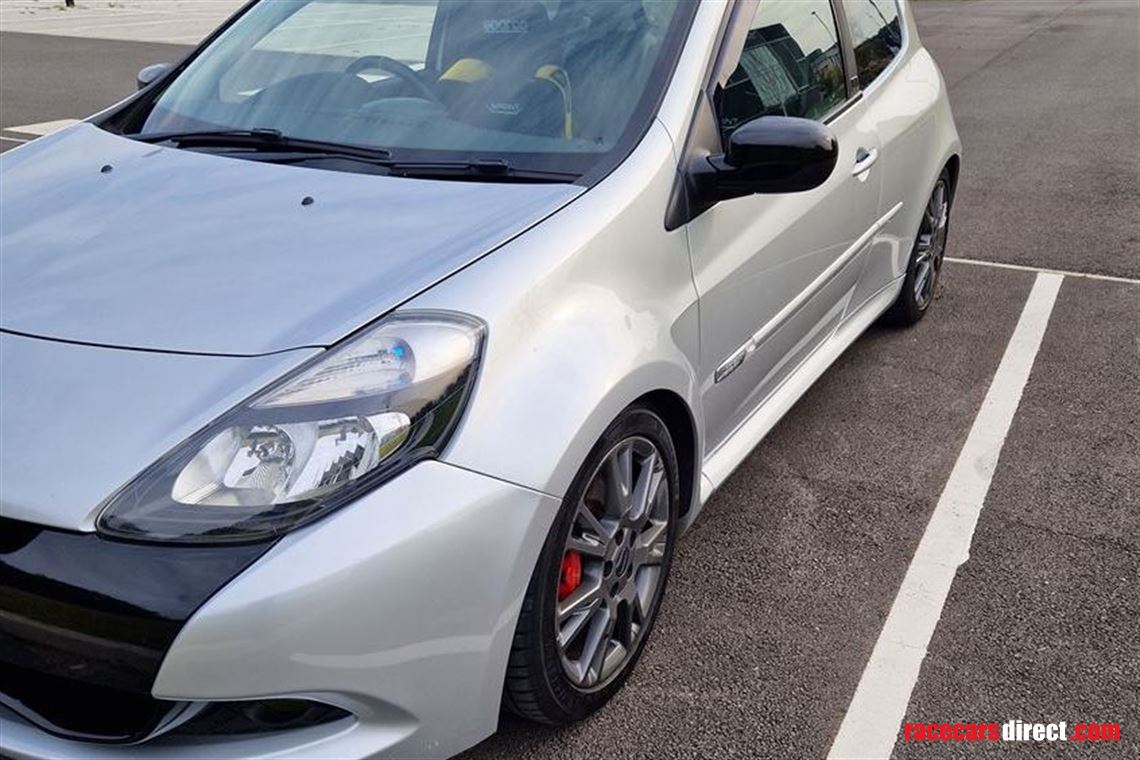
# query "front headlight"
(317, 438)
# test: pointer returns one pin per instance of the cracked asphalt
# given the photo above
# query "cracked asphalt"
(780, 590)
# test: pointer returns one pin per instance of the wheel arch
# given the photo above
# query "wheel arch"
(678, 418)
(953, 165)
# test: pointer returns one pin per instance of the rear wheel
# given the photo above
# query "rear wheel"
(926, 258)
(599, 581)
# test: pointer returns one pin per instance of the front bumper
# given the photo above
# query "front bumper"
(399, 608)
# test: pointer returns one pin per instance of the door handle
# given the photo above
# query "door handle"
(864, 160)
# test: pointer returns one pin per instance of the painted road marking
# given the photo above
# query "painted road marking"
(13, 139)
(43, 128)
(1062, 272)
(871, 725)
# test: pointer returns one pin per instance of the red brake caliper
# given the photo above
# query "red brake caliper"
(571, 577)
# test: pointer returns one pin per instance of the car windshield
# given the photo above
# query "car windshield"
(551, 85)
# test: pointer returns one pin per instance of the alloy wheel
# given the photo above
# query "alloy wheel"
(931, 244)
(612, 564)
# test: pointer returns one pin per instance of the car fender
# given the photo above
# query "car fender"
(566, 350)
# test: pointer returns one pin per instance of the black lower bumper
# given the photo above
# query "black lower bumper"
(85, 623)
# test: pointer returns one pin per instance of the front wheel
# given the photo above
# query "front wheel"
(925, 264)
(599, 581)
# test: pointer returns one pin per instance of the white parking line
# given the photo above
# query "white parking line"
(1023, 268)
(871, 725)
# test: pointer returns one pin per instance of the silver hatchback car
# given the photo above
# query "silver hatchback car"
(360, 372)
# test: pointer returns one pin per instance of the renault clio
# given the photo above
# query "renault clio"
(362, 370)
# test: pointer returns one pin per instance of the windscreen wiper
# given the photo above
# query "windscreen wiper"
(493, 170)
(272, 140)
(262, 140)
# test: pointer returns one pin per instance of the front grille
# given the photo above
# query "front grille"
(82, 711)
(85, 623)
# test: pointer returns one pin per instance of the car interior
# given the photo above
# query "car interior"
(514, 75)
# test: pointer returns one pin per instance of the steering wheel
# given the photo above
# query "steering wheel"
(397, 69)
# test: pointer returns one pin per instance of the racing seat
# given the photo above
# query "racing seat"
(612, 49)
(502, 69)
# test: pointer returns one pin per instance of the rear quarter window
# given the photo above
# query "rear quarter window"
(876, 33)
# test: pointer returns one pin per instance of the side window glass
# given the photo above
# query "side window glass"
(876, 34)
(791, 65)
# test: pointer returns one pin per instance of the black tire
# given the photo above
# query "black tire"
(910, 307)
(537, 686)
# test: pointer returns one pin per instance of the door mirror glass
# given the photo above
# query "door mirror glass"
(775, 154)
(151, 74)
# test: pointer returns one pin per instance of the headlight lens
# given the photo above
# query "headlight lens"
(312, 441)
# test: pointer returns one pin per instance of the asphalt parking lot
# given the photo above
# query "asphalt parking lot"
(779, 594)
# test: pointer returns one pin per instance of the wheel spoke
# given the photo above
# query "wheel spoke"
(594, 651)
(921, 281)
(574, 626)
(643, 590)
(648, 483)
(933, 209)
(619, 481)
(615, 654)
(587, 546)
(591, 527)
(585, 598)
(940, 204)
(650, 548)
(658, 501)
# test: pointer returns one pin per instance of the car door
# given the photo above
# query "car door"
(899, 87)
(775, 272)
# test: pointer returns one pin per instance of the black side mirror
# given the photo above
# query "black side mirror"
(774, 154)
(151, 74)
